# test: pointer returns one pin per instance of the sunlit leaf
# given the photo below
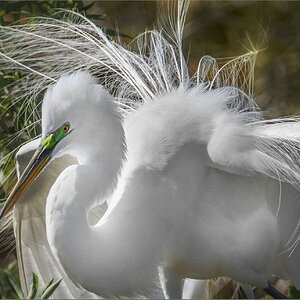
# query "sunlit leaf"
(50, 289)
(33, 287)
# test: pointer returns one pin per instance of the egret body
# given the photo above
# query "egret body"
(184, 203)
(198, 184)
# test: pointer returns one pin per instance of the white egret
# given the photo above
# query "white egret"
(197, 154)
(188, 203)
(33, 250)
(34, 253)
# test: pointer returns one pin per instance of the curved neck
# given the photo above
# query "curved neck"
(75, 191)
(74, 242)
(90, 255)
(98, 257)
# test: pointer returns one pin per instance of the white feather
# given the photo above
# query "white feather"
(151, 69)
(33, 250)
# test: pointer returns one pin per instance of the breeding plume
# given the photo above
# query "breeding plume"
(198, 185)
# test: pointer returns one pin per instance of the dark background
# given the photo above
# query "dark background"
(223, 29)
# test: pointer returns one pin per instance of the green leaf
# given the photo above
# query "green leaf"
(15, 285)
(50, 289)
(33, 287)
(48, 284)
(293, 293)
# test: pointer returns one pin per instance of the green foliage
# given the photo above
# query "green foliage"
(46, 292)
(10, 287)
(12, 11)
(50, 289)
(33, 287)
(293, 293)
(20, 12)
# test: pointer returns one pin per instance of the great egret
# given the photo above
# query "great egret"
(186, 179)
(34, 253)
(125, 68)
(150, 75)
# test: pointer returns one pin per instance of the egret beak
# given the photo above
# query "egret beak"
(39, 160)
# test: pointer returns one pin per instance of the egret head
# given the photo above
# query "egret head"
(78, 118)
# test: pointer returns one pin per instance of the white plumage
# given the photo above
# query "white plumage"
(208, 188)
(33, 250)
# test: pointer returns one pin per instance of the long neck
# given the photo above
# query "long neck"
(97, 258)
(77, 189)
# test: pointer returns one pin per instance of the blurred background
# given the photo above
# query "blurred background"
(215, 28)
(226, 29)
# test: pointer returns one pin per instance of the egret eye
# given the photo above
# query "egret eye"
(65, 128)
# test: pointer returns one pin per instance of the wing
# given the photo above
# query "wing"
(267, 149)
(33, 251)
(250, 165)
